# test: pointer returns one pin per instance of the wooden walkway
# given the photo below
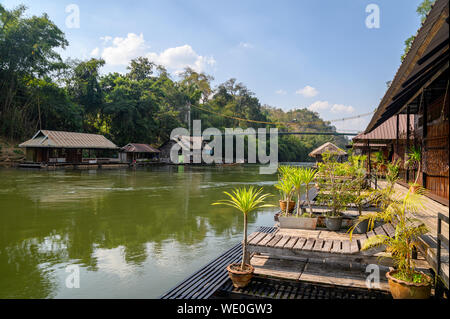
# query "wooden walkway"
(204, 282)
(319, 244)
(429, 241)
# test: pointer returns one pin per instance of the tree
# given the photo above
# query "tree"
(27, 52)
(84, 88)
(140, 69)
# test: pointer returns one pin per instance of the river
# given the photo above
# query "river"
(132, 233)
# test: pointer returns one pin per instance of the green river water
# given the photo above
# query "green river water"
(133, 233)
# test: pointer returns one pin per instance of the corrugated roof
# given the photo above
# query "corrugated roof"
(372, 145)
(139, 148)
(425, 41)
(388, 130)
(59, 139)
(327, 147)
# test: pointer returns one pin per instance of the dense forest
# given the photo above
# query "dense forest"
(38, 89)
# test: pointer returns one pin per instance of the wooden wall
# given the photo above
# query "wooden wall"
(436, 148)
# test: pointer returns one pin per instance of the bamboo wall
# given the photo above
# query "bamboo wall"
(436, 148)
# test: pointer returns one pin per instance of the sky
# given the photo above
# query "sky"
(315, 54)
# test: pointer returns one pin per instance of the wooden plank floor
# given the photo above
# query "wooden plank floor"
(335, 247)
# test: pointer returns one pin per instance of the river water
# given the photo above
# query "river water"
(132, 233)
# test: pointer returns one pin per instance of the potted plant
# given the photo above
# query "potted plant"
(286, 189)
(301, 178)
(414, 159)
(334, 189)
(405, 282)
(245, 200)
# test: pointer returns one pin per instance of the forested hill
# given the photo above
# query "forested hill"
(38, 88)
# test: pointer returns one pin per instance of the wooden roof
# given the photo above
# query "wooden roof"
(327, 147)
(428, 56)
(388, 130)
(59, 139)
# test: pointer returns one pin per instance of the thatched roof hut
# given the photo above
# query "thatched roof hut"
(331, 148)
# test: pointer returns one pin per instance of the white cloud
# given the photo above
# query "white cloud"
(319, 106)
(178, 58)
(281, 92)
(326, 111)
(307, 91)
(246, 45)
(340, 108)
(122, 50)
(334, 108)
(106, 39)
(95, 52)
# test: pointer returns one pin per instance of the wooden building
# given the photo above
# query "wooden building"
(138, 152)
(57, 147)
(420, 87)
(187, 143)
(331, 148)
(384, 139)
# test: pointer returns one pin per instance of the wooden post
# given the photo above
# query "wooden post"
(424, 137)
(397, 135)
(407, 141)
(369, 161)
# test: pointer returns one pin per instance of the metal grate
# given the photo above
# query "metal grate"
(282, 289)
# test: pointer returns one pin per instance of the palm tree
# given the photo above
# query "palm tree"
(407, 232)
(245, 200)
(415, 157)
(286, 188)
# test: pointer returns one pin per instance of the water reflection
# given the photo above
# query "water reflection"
(125, 228)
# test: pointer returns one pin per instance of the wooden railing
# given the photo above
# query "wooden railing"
(441, 241)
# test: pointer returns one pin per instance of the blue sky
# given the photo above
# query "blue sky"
(292, 54)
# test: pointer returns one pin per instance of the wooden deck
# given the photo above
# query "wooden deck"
(429, 241)
(320, 245)
(204, 282)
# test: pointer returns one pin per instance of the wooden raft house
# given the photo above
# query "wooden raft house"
(420, 93)
(328, 147)
(60, 148)
(389, 138)
(421, 88)
(139, 153)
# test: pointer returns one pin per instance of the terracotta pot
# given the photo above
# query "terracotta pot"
(408, 290)
(240, 278)
(283, 204)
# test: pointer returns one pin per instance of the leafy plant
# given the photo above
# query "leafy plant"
(415, 159)
(407, 231)
(307, 176)
(296, 178)
(334, 184)
(245, 200)
(286, 189)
